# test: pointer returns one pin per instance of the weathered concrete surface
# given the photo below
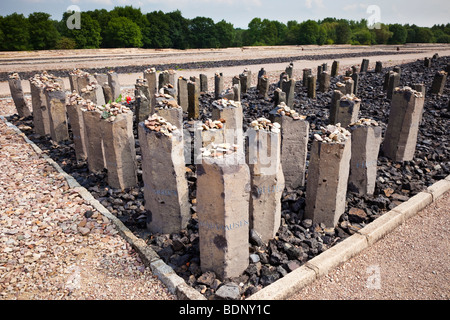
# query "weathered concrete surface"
(223, 204)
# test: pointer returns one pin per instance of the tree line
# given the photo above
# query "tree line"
(125, 27)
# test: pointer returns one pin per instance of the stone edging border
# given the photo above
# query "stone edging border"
(293, 281)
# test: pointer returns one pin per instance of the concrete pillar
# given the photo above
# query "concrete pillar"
(237, 92)
(164, 175)
(279, 97)
(324, 67)
(427, 62)
(232, 113)
(437, 87)
(173, 78)
(183, 97)
(355, 78)
(223, 186)
(203, 83)
(288, 86)
(346, 87)
(93, 138)
(306, 72)
(93, 92)
(263, 153)
(312, 86)
(354, 69)
(120, 153)
(324, 81)
(294, 144)
(113, 81)
(151, 76)
(378, 67)
(41, 120)
(211, 132)
(335, 105)
(348, 110)
(290, 70)
(401, 134)
(328, 172)
(102, 80)
(75, 115)
(193, 103)
(263, 87)
(73, 80)
(164, 79)
(17, 95)
(172, 112)
(364, 65)
(319, 69)
(398, 70)
(56, 104)
(170, 90)
(245, 78)
(394, 82)
(366, 140)
(261, 73)
(218, 85)
(144, 106)
(335, 69)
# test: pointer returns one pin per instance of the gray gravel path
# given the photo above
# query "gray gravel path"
(412, 263)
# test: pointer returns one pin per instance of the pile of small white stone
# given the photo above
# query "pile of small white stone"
(417, 94)
(219, 150)
(284, 110)
(111, 110)
(265, 124)
(159, 124)
(332, 134)
(365, 122)
(75, 99)
(211, 125)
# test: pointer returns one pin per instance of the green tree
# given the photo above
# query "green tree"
(179, 29)
(382, 34)
(293, 28)
(363, 37)
(43, 33)
(399, 34)
(121, 32)
(225, 34)
(269, 33)
(87, 37)
(343, 32)
(424, 35)
(254, 32)
(65, 43)
(135, 15)
(308, 32)
(202, 33)
(16, 34)
(158, 31)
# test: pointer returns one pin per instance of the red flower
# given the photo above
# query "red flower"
(128, 99)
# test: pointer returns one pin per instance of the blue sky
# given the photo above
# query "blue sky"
(240, 12)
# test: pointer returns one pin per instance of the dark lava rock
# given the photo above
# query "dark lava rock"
(229, 291)
(207, 278)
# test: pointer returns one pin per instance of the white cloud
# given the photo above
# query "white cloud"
(317, 3)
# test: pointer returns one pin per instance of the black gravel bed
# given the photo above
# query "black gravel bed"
(298, 240)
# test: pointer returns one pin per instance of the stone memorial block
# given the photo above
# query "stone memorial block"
(366, 140)
(223, 186)
(400, 139)
(328, 172)
(164, 175)
(15, 86)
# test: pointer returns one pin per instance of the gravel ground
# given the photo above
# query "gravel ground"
(412, 264)
(43, 252)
